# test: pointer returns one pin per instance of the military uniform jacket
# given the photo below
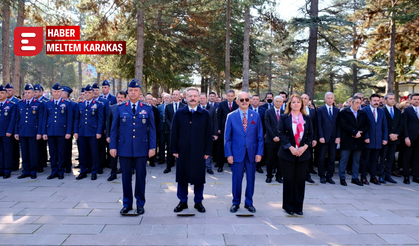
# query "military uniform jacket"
(29, 118)
(133, 135)
(89, 121)
(58, 119)
(7, 118)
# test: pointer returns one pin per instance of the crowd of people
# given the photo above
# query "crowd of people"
(192, 131)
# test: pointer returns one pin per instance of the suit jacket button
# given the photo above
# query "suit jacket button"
(133, 136)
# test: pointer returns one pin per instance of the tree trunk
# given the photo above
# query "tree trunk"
(113, 86)
(5, 42)
(219, 84)
(331, 81)
(120, 84)
(227, 69)
(145, 85)
(41, 74)
(354, 66)
(270, 74)
(392, 58)
(202, 83)
(80, 76)
(155, 90)
(246, 49)
(17, 59)
(98, 78)
(396, 91)
(258, 89)
(211, 85)
(139, 58)
(312, 50)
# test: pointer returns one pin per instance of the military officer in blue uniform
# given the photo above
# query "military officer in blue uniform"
(65, 94)
(38, 94)
(57, 128)
(133, 139)
(102, 141)
(7, 127)
(28, 130)
(15, 148)
(88, 129)
(106, 94)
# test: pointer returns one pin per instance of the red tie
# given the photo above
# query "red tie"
(244, 122)
(277, 114)
(373, 113)
(229, 105)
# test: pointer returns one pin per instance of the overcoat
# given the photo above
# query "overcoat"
(350, 126)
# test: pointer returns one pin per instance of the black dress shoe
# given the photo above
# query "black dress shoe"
(259, 170)
(180, 207)
(382, 180)
(279, 180)
(406, 180)
(167, 170)
(210, 171)
(200, 207)
(77, 166)
(250, 208)
(330, 181)
(234, 208)
(40, 170)
(94, 176)
(81, 176)
(416, 180)
(289, 212)
(100, 171)
(152, 164)
(389, 179)
(119, 170)
(51, 176)
(374, 180)
(125, 210)
(112, 177)
(357, 182)
(33, 176)
(6, 176)
(68, 170)
(299, 213)
(220, 170)
(323, 180)
(310, 180)
(1, 174)
(365, 181)
(343, 182)
(268, 180)
(140, 210)
(312, 171)
(60, 176)
(22, 176)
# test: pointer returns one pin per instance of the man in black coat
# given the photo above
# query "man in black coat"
(272, 141)
(191, 144)
(149, 100)
(254, 105)
(269, 101)
(312, 114)
(328, 132)
(411, 127)
(354, 125)
(394, 127)
(169, 112)
(224, 108)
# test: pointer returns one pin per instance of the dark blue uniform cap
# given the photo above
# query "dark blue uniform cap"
(134, 84)
(83, 89)
(9, 86)
(40, 86)
(2, 88)
(95, 86)
(88, 88)
(56, 87)
(126, 92)
(36, 87)
(28, 87)
(105, 83)
(67, 89)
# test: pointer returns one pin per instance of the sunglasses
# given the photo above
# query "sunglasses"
(244, 99)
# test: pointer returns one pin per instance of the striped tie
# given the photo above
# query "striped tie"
(244, 122)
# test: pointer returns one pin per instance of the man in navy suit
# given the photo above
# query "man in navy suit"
(328, 132)
(312, 113)
(7, 126)
(411, 139)
(375, 138)
(224, 108)
(28, 131)
(38, 94)
(254, 105)
(161, 128)
(285, 97)
(133, 139)
(57, 129)
(272, 141)
(211, 98)
(243, 146)
(88, 129)
(103, 153)
(149, 100)
(269, 101)
(16, 153)
(106, 87)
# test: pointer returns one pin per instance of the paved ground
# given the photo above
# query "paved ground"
(85, 212)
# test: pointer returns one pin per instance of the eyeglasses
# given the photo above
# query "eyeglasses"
(244, 99)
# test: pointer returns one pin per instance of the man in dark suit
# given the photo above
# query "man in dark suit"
(168, 117)
(354, 126)
(254, 105)
(375, 138)
(15, 149)
(411, 126)
(38, 94)
(312, 113)
(65, 94)
(329, 136)
(203, 103)
(8, 114)
(106, 87)
(272, 141)
(103, 146)
(269, 101)
(285, 97)
(224, 108)
(243, 146)
(149, 100)
(211, 99)
(161, 129)
(394, 126)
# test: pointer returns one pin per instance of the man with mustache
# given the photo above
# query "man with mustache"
(375, 138)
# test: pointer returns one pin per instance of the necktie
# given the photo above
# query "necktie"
(133, 108)
(27, 104)
(229, 105)
(330, 113)
(373, 113)
(175, 106)
(277, 114)
(192, 111)
(87, 105)
(391, 112)
(244, 122)
(56, 103)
